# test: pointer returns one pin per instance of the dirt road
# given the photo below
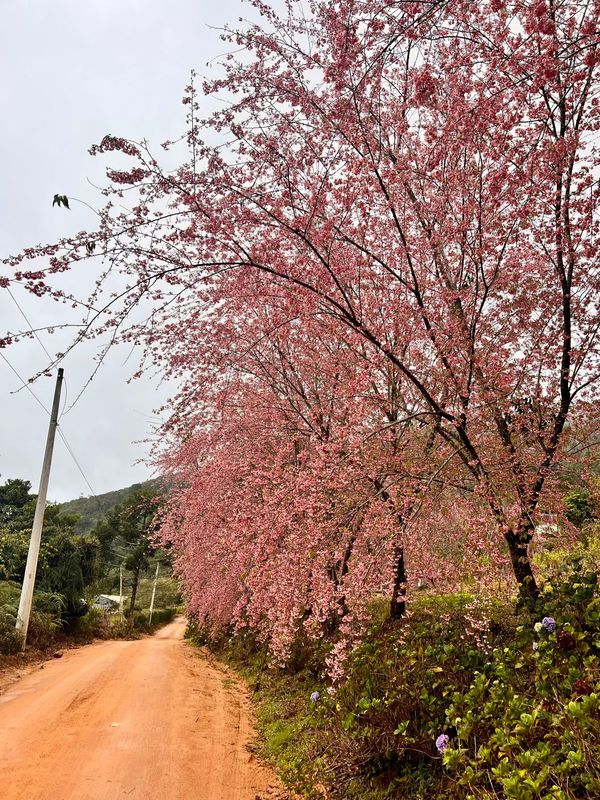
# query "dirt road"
(147, 719)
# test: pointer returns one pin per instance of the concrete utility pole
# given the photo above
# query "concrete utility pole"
(24, 611)
(153, 594)
(121, 591)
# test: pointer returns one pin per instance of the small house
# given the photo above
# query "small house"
(108, 602)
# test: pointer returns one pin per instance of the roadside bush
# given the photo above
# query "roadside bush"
(44, 602)
(167, 593)
(160, 616)
(44, 622)
(50, 603)
(120, 628)
(391, 705)
(164, 615)
(464, 698)
(92, 625)
(10, 641)
(9, 594)
(529, 724)
(42, 630)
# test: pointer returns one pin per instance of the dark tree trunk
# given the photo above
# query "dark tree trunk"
(518, 544)
(134, 588)
(338, 572)
(398, 601)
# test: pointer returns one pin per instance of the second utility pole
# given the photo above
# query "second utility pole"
(121, 591)
(153, 594)
(24, 611)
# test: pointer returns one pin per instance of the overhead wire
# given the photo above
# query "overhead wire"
(24, 382)
(58, 427)
(77, 464)
(114, 552)
(31, 328)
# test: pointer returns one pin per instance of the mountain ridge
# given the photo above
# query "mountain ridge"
(93, 508)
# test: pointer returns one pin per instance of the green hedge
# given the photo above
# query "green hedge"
(160, 616)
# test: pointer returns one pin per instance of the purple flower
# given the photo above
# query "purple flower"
(314, 697)
(549, 623)
(442, 742)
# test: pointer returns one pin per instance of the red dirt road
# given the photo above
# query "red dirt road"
(143, 720)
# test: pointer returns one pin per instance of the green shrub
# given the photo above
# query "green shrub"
(160, 616)
(580, 506)
(167, 593)
(553, 563)
(9, 594)
(529, 723)
(44, 622)
(42, 630)
(120, 628)
(92, 625)
(391, 705)
(10, 640)
(519, 704)
(45, 602)
(49, 603)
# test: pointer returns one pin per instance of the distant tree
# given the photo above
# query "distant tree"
(580, 506)
(14, 494)
(132, 521)
(106, 531)
(94, 510)
(67, 562)
(69, 565)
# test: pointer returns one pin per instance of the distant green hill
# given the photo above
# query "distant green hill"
(92, 509)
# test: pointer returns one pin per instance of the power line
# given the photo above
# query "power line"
(24, 382)
(31, 328)
(60, 431)
(118, 552)
(41, 344)
(113, 548)
(53, 360)
(77, 464)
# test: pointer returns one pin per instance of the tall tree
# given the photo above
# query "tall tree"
(68, 563)
(14, 494)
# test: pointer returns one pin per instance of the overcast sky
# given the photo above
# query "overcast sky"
(73, 71)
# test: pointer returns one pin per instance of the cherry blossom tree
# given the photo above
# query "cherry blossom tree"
(302, 469)
(421, 176)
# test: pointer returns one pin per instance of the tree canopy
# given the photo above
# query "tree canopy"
(374, 274)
